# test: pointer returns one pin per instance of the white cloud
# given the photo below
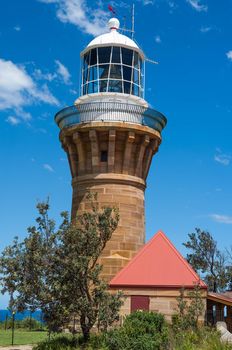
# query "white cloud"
(218, 189)
(73, 91)
(147, 2)
(39, 75)
(17, 28)
(44, 95)
(223, 219)
(13, 120)
(18, 89)
(172, 4)
(157, 39)
(48, 167)
(77, 12)
(63, 72)
(229, 55)
(222, 158)
(205, 29)
(196, 5)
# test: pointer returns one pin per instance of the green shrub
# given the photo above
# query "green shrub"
(97, 342)
(141, 330)
(144, 322)
(31, 323)
(58, 343)
(202, 339)
(67, 342)
(26, 323)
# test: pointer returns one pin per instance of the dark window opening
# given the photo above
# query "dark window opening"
(104, 156)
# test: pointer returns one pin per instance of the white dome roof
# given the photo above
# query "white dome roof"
(113, 38)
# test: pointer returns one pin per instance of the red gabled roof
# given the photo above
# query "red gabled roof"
(157, 264)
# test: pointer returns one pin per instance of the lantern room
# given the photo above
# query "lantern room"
(112, 62)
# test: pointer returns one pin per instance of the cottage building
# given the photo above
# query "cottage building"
(153, 278)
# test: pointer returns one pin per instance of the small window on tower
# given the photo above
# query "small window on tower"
(104, 156)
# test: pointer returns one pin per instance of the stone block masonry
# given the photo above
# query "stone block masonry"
(113, 160)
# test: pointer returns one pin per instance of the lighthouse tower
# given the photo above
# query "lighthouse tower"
(110, 136)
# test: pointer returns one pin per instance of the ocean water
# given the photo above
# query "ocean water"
(20, 315)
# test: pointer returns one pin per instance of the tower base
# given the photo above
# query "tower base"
(127, 194)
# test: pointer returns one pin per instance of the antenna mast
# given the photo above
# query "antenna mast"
(132, 21)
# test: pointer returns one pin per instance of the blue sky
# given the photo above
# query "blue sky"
(189, 183)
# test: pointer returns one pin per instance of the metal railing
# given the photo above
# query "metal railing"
(110, 112)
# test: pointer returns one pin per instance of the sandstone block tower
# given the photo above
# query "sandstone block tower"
(110, 136)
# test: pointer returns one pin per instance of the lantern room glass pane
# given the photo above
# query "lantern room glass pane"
(93, 57)
(103, 85)
(116, 56)
(126, 73)
(92, 87)
(86, 61)
(104, 71)
(115, 71)
(127, 87)
(135, 76)
(136, 60)
(84, 91)
(115, 86)
(93, 73)
(135, 90)
(85, 76)
(104, 54)
(127, 56)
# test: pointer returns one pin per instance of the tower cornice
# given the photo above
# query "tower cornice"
(109, 178)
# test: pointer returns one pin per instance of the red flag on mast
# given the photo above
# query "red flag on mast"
(110, 8)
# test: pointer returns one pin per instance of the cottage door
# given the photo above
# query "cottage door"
(139, 302)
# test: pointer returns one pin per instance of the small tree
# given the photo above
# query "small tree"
(229, 257)
(11, 272)
(58, 272)
(206, 258)
(189, 309)
(196, 307)
(83, 292)
(108, 311)
(27, 269)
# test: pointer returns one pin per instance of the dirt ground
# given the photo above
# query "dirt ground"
(17, 347)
